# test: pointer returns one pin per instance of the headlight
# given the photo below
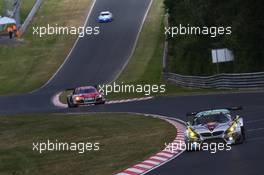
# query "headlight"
(232, 128)
(192, 134)
(78, 98)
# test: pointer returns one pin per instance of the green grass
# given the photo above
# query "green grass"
(124, 140)
(1, 7)
(26, 6)
(27, 66)
(145, 65)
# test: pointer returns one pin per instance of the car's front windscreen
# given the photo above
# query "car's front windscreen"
(217, 118)
(85, 91)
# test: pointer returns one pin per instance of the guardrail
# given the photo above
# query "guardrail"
(30, 16)
(220, 81)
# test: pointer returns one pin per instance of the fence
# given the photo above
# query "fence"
(220, 81)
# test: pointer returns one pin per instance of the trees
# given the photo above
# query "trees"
(192, 54)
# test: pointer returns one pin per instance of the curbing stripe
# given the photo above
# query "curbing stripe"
(146, 163)
(143, 166)
(167, 154)
(159, 158)
(135, 170)
(152, 162)
(179, 125)
(129, 100)
(131, 172)
(56, 100)
(140, 168)
(155, 160)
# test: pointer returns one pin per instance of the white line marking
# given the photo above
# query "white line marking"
(165, 154)
(135, 170)
(144, 166)
(159, 158)
(255, 121)
(255, 139)
(257, 129)
(151, 162)
(122, 174)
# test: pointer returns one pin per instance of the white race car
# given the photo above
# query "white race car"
(214, 126)
(105, 17)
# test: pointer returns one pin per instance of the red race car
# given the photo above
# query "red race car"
(84, 96)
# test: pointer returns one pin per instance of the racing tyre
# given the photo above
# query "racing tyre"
(70, 104)
(242, 137)
(100, 103)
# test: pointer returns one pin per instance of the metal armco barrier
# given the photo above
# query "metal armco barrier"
(221, 81)
(30, 17)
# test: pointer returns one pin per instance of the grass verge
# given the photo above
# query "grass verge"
(124, 140)
(27, 66)
(26, 6)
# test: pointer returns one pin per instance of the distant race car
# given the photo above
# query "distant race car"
(84, 96)
(105, 17)
(215, 126)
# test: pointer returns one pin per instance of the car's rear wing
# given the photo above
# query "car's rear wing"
(191, 115)
(235, 108)
(72, 89)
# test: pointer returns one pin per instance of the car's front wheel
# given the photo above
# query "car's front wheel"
(100, 103)
(242, 137)
(70, 103)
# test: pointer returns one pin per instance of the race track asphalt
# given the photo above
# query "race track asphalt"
(244, 159)
(96, 59)
(99, 59)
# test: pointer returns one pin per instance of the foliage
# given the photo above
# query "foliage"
(192, 54)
